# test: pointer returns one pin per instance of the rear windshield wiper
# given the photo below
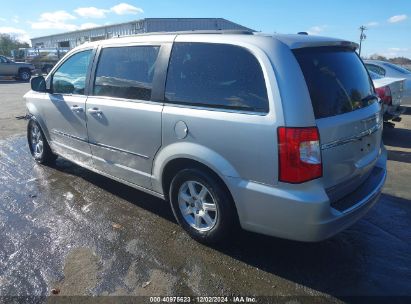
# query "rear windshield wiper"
(368, 98)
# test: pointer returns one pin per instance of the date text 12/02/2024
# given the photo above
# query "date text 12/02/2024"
(207, 299)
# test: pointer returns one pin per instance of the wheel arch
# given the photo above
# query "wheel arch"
(35, 115)
(177, 164)
(23, 68)
(181, 155)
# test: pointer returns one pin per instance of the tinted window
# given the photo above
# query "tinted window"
(375, 69)
(126, 72)
(70, 78)
(2, 59)
(337, 80)
(216, 75)
(375, 75)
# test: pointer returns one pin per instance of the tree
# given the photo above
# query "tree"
(401, 60)
(9, 43)
(378, 57)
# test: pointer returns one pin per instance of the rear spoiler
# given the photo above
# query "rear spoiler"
(308, 44)
(310, 41)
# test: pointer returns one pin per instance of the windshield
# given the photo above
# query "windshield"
(336, 78)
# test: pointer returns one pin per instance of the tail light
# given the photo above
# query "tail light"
(299, 154)
(385, 94)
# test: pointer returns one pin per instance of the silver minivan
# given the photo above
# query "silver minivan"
(278, 134)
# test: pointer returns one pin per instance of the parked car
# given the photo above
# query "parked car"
(387, 69)
(18, 70)
(281, 134)
(390, 91)
(42, 58)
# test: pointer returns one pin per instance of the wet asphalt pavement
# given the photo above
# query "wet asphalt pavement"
(68, 229)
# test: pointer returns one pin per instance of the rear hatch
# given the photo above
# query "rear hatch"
(347, 113)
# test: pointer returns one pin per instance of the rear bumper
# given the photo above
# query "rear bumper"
(393, 112)
(304, 213)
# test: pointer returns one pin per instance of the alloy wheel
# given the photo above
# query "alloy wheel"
(25, 76)
(36, 141)
(197, 206)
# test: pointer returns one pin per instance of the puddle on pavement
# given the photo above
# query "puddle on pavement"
(66, 228)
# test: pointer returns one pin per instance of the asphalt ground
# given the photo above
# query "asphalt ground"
(66, 230)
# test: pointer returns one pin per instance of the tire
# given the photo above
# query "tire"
(25, 75)
(39, 147)
(209, 195)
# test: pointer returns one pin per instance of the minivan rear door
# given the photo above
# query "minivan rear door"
(347, 115)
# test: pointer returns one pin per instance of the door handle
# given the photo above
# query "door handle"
(76, 109)
(95, 111)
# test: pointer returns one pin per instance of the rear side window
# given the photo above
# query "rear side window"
(216, 75)
(126, 72)
(376, 69)
(337, 80)
(375, 75)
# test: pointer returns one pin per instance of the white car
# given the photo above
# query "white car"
(390, 91)
(387, 69)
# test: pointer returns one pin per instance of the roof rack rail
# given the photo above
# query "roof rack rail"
(221, 32)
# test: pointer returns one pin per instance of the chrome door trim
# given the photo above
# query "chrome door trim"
(98, 144)
(57, 132)
(340, 142)
(117, 149)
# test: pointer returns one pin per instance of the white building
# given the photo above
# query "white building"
(147, 25)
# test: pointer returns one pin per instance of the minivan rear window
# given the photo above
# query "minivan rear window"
(337, 80)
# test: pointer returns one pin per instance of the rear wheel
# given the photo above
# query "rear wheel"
(25, 74)
(202, 205)
(39, 148)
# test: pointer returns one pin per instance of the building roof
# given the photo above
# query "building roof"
(135, 21)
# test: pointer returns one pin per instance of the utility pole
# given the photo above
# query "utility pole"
(362, 37)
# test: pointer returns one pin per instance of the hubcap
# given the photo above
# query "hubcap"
(36, 141)
(25, 76)
(197, 206)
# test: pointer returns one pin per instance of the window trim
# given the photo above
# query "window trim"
(226, 109)
(158, 84)
(49, 80)
(377, 66)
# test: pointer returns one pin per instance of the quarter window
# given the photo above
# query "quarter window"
(216, 75)
(70, 77)
(126, 72)
(375, 69)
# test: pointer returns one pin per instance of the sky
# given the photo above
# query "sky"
(388, 22)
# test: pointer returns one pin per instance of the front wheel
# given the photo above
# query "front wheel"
(39, 148)
(202, 205)
(25, 75)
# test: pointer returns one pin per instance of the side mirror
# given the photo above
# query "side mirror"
(38, 84)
